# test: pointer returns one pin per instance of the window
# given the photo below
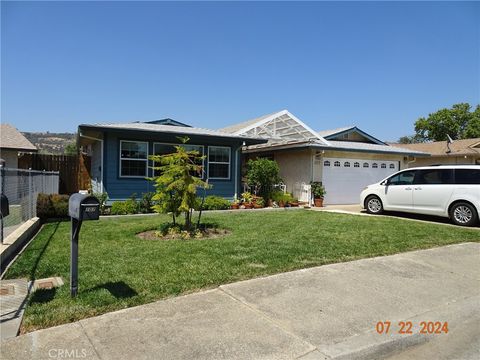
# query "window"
(383, 166)
(326, 163)
(164, 149)
(218, 162)
(434, 177)
(467, 176)
(365, 165)
(404, 178)
(356, 164)
(133, 158)
(336, 163)
(392, 166)
(374, 165)
(346, 164)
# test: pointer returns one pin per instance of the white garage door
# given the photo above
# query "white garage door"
(344, 179)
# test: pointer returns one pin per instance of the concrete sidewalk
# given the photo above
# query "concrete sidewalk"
(327, 312)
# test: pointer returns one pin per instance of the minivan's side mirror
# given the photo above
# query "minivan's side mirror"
(385, 182)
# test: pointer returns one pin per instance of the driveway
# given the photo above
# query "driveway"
(326, 312)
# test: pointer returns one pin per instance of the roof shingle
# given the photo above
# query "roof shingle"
(11, 138)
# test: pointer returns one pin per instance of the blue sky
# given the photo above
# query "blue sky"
(378, 65)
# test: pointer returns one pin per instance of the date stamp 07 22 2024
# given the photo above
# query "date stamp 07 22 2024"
(407, 327)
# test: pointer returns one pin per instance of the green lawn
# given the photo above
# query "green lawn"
(119, 270)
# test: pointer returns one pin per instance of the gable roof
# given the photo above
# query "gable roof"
(335, 133)
(180, 130)
(278, 126)
(166, 121)
(439, 148)
(11, 138)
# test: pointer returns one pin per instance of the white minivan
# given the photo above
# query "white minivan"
(447, 190)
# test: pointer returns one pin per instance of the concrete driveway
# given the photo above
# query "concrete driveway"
(327, 312)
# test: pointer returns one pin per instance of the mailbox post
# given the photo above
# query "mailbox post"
(80, 207)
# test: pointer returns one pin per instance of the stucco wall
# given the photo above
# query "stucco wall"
(295, 168)
(447, 160)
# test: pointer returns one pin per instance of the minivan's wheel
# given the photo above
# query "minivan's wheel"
(463, 214)
(374, 205)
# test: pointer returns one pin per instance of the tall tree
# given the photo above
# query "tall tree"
(458, 122)
(176, 186)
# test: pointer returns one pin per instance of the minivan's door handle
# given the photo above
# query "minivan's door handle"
(409, 188)
(418, 188)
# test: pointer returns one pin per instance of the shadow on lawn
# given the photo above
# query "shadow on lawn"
(42, 251)
(118, 289)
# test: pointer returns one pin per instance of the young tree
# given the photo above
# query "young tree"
(458, 122)
(263, 174)
(177, 184)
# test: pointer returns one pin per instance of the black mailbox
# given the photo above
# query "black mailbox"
(4, 211)
(83, 207)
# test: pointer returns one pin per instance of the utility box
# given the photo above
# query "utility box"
(83, 207)
(4, 208)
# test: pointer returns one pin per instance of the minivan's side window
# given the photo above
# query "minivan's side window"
(467, 176)
(404, 178)
(434, 177)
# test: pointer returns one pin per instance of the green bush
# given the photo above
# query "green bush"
(118, 208)
(52, 206)
(102, 199)
(146, 203)
(215, 203)
(279, 196)
(263, 174)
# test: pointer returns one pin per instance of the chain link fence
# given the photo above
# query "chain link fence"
(21, 187)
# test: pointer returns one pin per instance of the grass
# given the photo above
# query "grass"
(119, 270)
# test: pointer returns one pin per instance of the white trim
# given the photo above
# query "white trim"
(204, 174)
(276, 115)
(120, 161)
(101, 156)
(216, 162)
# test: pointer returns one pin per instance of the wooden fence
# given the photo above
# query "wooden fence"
(74, 170)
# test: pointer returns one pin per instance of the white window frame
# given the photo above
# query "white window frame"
(176, 144)
(120, 161)
(218, 162)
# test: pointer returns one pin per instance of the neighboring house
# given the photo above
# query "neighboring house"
(465, 151)
(11, 143)
(120, 155)
(345, 160)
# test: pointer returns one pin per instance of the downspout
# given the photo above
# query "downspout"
(101, 155)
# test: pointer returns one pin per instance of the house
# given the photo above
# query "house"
(465, 151)
(120, 154)
(11, 143)
(345, 160)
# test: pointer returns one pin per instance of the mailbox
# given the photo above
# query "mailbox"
(83, 207)
(4, 211)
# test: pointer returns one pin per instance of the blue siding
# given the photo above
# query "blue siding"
(120, 188)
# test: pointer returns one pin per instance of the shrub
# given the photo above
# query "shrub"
(131, 206)
(52, 206)
(263, 174)
(280, 197)
(118, 208)
(147, 203)
(102, 199)
(216, 203)
(318, 190)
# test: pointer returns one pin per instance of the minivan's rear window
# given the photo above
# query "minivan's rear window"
(467, 176)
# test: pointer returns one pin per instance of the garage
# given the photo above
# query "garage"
(344, 179)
